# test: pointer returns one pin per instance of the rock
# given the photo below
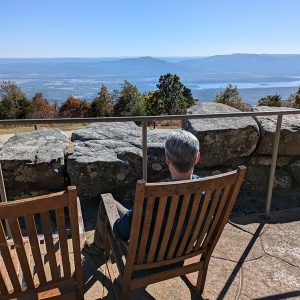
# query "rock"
(289, 144)
(108, 158)
(225, 141)
(294, 169)
(33, 163)
(265, 160)
(283, 182)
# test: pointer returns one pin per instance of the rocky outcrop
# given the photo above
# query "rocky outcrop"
(108, 158)
(33, 163)
(289, 144)
(225, 141)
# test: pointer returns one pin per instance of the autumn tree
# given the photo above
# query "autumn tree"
(270, 100)
(175, 96)
(232, 97)
(129, 102)
(73, 107)
(13, 102)
(41, 107)
(102, 105)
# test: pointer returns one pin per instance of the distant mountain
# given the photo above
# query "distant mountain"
(260, 64)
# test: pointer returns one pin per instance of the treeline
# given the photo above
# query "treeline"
(171, 97)
(232, 97)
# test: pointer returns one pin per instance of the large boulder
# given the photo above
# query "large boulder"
(289, 144)
(108, 158)
(223, 141)
(33, 162)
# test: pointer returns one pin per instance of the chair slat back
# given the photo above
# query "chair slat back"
(33, 221)
(179, 219)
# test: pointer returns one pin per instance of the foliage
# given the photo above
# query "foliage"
(232, 97)
(173, 94)
(129, 101)
(295, 99)
(153, 104)
(41, 107)
(270, 100)
(102, 105)
(74, 108)
(13, 103)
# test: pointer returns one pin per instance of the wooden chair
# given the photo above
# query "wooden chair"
(37, 266)
(172, 223)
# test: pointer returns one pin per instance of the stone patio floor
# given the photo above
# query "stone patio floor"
(255, 258)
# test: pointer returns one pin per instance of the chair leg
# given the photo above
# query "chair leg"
(126, 291)
(202, 276)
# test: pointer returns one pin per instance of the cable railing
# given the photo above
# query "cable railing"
(144, 121)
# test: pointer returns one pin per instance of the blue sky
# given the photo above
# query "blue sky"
(98, 28)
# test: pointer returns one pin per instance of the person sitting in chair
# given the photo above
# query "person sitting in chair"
(182, 153)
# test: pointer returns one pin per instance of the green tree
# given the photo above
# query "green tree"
(231, 97)
(153, 104)
(175, 96)
(13, 102)
(102, 105)
(270, 100)
(129, 97)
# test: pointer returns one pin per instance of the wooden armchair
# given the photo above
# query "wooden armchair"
(35, 263)
(172, 223)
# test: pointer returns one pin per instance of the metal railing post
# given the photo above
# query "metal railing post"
(273, 165)
(145, 155)
(4, 199)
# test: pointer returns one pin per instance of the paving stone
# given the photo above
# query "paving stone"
(267, 277)
(236, 244)
(283, 241)
(253, 223)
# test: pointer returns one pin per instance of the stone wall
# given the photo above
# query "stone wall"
(107, 157)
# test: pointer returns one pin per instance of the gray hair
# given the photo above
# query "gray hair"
(182, 147)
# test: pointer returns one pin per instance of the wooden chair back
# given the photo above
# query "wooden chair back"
(24, 218)
(174, 221)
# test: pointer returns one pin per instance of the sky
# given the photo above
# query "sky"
(160, 28)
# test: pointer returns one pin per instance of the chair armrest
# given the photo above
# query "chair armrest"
(110, 209)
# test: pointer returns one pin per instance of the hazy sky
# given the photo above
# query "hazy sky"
(95, 28)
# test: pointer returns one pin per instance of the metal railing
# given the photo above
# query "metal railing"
(145, 119)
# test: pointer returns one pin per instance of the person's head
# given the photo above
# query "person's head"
(182, 153)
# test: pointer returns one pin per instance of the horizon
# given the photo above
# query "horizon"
(150, 56)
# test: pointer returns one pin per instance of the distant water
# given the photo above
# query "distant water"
(58, 88)
(250, 95)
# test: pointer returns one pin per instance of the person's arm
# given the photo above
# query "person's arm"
(122, 226)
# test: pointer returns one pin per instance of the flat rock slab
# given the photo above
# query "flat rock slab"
(108, 158)
(289, 144)
(33, 162)
(225, 141)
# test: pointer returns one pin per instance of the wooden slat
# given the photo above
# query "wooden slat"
(187, 234)
(3, 288)
(217, 216)
(35, 248)
(207, 220)
(46, 226)
(7, 259)
(61, 227)
(157, 228)
(33, 205)
(200, 220)
(19, 244)
(146, 228)
(73, 211)
(167, 232)
(186, 201)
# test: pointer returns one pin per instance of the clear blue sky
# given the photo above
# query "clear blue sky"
(96, 28)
